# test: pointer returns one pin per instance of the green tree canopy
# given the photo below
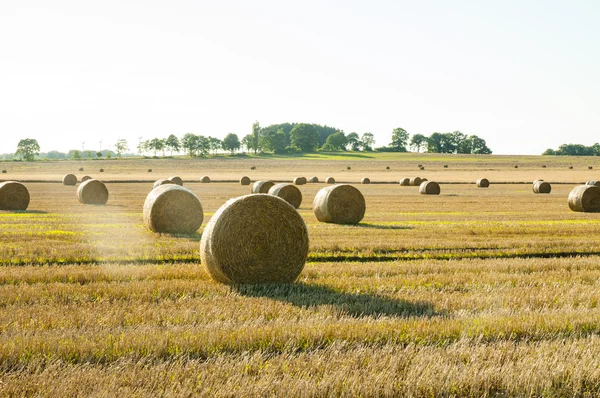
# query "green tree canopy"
(231, 143)
(418, 142)
(121, 146)
(172, 143)
(28, 149)
(336, 142)
(305, 137)
(367, 141)
(399, 139)
(353, 142)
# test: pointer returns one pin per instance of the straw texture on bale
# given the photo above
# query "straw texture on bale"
(330, 180)
(288, 192)
(92, 192)
(300, 180)
(415, 181)
(85, 178)
(483, 183)
(585, 198)
(262, 186)
(313, 179)
(177, 180)
(429, 188)
(245, 180)
(173, 209)
(69, 179)
(162, 181)
(405, 182)
(541, 187)
(539, 180)
(205, 179)
(255, 239)
(365, 180)
(339, 204)
(593, 182)
(13, 196)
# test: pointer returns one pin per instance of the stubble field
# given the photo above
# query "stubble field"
(475, 292)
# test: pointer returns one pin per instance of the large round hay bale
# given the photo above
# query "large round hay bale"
(173, 209)
(255, 239)
(69, 179)
(538, 180)
(205, 179)
(262, 186)
(288, 192)
(365, 180)
(92, 192)
(585, 198)
(245, 180)
(162, 181)
(313, 179)
(330, 180)
(85, 178)
(483, 183)
(13, 196)
(429, 188)
(423, 180)
(541, 187)
(177, 180)
(300, 180)
(339, 204)
(405, 182)
(593, 182)
(415, 181)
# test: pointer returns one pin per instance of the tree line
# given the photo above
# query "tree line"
(574, 150)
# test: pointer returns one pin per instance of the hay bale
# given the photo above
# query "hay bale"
(541, 187)
(245, 180)
(570, 167)
(593, 182)
(585, 198)
(516, 167)
(419, 165)
(288, 192)
(177, 180)
(85, 178)
(81, 169)
(69, 179)
(162, 181)
(205, 179)
(262, 186)
(348, 168)
(313, 179)
(365, 180)
(255, 239)
(590, 168)
(423, 180)
(300, 180)
(339, 204)
(101, 170)
(483, 183)
(405, 182)
(445, 166)
(543, 166)
(3, 171)
(173, 209)
(387, 167)
(92, 192)
(415, 181)
(330, 180)
(13, 196)
(149, 170)
(429, 188)
(421, 168)
(253, 168)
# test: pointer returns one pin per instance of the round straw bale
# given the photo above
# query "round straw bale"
(288, 192)
(255, 239)
(543, 166)
(253, 168)
(365, 180)
(330, 180)
(590, 168)
(419, 165)
(173, 209)
(13, 196)
(245, 180)
(85, 178)
(162, 181)
(429, 188)
(539, 180)
(421, 168)
(101, 170)
(445, 166)
(300, 180)
(313, 179)
(69, 179)
(405, 182)
(541, 187)
(593, 182)
(415, 181)
(348, 168)
(570, 167)
(92, 192)
(177, 180)
(262, 186)
(205, 179)
(339, 204)
(585, 198)
(483, 183)
(387, 167)
(81, 169)
(3, 171)
(516, 167)
(149, 170)
(423, 180)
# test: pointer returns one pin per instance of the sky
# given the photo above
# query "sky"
(523, 75)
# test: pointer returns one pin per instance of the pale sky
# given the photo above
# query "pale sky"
(523, 75)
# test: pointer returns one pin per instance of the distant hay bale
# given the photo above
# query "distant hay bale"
(330, 180)
(445, 166)
(405, 182)
(177, 180)
(419, 165)
(570, 167)
(387, 167)
(149, 170)
(421, 168)
(541, 187)
(13, 196)
(162, 181)
(483, 183)
(300, 180)
(543, 166)
(590, 168)
(245, 180)
(85, 178)
(92, 192)
(205, 179)
(173, 209)
(593, 182)
(339, 204)
(81, 169)
(415, 181)
(101, 170)
(348, 168)
(253, 168)
(516, 167)
(585, 198)
(365, 180)
(262, 186)
(288, 192)
(3, 171)
(313, 179)
(429, 188)
(273, 250)
(69, 179)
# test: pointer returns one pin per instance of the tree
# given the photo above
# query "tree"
(335, 142)
(143, 147)
(188, 142)
(399, 139)
(156, 144)
(75, 154)
(549, 151)
(478, 146)
(353, 141)
(99, 154)
(418, 142)
(121, 146)
(215, 144)
(28, 149)
(172, 142)
(367, 141)
(231, 142)
(305, 137)
(278, 142)
(255, 134)
(248, 142)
